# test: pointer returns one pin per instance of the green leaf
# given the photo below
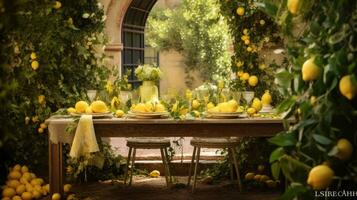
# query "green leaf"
(294, 191)
(268, 8)
(333, 151)
(286, 104)
(321, 139)
(276, 154)
(275, 170)
(284, 139)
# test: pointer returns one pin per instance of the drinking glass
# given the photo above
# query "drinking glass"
(248, 96)
(91, 94)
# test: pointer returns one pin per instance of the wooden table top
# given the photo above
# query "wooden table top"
(131, 127)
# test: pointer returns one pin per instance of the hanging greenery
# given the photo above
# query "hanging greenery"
(253, 32)
(199, 32)
(48, 61)
(319, 151)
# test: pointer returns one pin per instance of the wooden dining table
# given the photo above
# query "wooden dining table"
(126, 127)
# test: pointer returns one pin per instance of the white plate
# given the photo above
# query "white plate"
(223, 115)
(148, 115)
(94, 115)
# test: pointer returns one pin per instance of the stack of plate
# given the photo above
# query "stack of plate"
(223, 115)
(148, 115)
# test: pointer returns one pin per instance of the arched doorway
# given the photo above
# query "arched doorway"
(133, 28)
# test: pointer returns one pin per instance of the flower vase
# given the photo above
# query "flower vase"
(149, 92)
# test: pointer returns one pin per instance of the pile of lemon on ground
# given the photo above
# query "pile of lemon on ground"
(23, 184)
(260, 177)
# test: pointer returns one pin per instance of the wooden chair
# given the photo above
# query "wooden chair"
(148, 143)
(217, 143)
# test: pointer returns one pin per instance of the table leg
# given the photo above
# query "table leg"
(55, 168)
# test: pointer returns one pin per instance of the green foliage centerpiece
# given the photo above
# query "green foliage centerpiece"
(150, 75)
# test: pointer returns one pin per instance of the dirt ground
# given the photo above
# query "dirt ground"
(144, 188)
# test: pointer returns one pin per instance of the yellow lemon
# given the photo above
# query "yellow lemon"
(154, 174)
(253, 81)
(183, 111)
(140, 108)
(245, 76)
(71, 197)
(36, 194)
(257, 177)
(40, 130)
(245, 31)
(210, 105)
(33, 56)
(251, 111)
(249, 176)
(43, 125)
(313, 100)
(224, 107)
(99, 107)
(196, 113)
(160, 108)
(348, 87)
(20, 189)
(7, 198)
(246, 42)
(149, 107)
(221, 84)
(26, 196)
(81, 106)
(8, 192)
(195, 104)
(214, 109)
(261, 168)
(239, 63)
(240, 109)
(14, 175)
(310, 71)
(56, 196)
(17, 167)
(35, 65)
(119, 113)
(47, 187)
(264, 178)
(293, 6)
(29, 187)
(240, 11)
(262, 22)
(345, 149)
(16, 198)
(115, 102)
(249, 49)
(41, 99)
(233, 104)
(67, 188)
(71, 110)
(89, 110)
(24, 169)
(320, 177)
(266, 98)
(257, 104)
(13, 183)
(271, 183)
(57, 5)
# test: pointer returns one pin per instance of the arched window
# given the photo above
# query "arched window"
(133, 28)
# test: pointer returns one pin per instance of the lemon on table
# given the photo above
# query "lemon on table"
(348, 86)
(214, 109)
(264, 178)
(140, 108)
(253, 81)
(71, 110)
(36, 194)
(345, 149)
(195, 104)
(160, 108)
(257, 177)
(119, 113)
(293, 6)
(271, 183)
(17, 167)
(224, 107)
(20, 189)
(154, 174)
(240, 11)
(13, 183)
(56, 196)
(310, 71)
(257, 104)
(251, 111)
(210, 105)
(196, 113)
(249, 176)
(233, 104)
(320, 177)
(99, 107)
(17, 197)
(89, 110)
(81, 106)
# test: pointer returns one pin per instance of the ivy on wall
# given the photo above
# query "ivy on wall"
(48, 61)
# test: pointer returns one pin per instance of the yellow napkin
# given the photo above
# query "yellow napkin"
(84, 141)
